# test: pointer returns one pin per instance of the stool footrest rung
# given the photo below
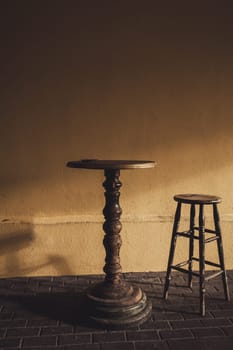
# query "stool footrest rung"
(186, 234)
(183, 263)
(207, 230)
(211, 231)
(207, 278)
(175, 267)
(207, 262)
(211, 239)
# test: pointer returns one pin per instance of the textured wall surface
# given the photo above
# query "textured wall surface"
(99, 79)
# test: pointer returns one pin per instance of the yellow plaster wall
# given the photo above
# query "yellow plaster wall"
(100, 79)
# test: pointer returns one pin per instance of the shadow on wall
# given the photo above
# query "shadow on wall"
(14, 243)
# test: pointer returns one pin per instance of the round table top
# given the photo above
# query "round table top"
(111, 164)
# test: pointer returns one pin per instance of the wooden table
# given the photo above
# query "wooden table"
(114, 303)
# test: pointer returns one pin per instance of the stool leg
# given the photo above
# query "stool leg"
(172, 249)
(191, 227)
(202, 259)
(220, 251)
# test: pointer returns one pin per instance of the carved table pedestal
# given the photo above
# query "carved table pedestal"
(114, 303)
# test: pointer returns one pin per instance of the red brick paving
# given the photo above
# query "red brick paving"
(43, 313)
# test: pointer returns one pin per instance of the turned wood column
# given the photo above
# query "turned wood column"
(112, 226)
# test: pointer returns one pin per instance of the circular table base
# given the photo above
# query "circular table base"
(116, 307)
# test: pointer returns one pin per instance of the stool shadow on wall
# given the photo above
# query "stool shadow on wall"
(62, 298)
(17, 241)
(13, 241)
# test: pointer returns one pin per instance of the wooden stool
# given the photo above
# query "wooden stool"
(201, 200)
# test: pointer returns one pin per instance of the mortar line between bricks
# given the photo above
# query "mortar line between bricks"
(225, 333)
(5, 333)
(191, 336)
(170, 325)
(21, 343)
(158, 334)
(56, 340)
(168, 346)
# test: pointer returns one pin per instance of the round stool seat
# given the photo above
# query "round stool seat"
(197, 199)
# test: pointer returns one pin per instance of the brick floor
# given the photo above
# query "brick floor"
(43, 313)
